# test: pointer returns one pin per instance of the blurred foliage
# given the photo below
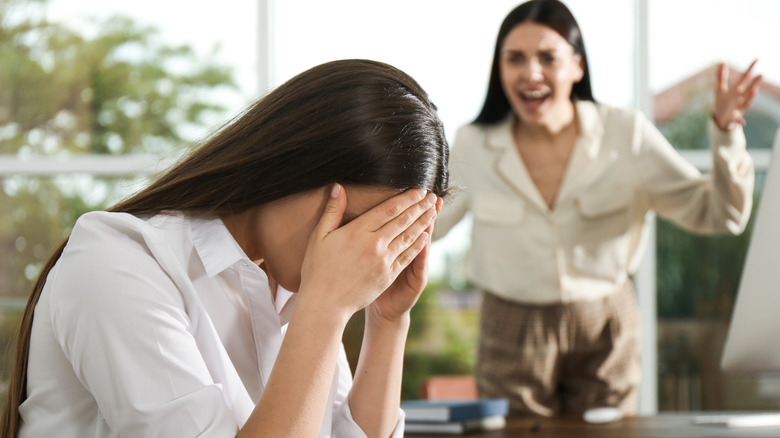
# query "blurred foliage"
(698, 276)
(124, 92)
(697, 281)
(688, 130)
(121, 90)
(441, 340)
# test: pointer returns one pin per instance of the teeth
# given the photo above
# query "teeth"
(534, 94)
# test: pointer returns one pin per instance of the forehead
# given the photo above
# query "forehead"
(533, 37)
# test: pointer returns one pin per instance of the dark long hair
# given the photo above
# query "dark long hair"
(550, 13)
(351, 121)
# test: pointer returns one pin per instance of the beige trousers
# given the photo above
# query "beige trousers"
(561, 358)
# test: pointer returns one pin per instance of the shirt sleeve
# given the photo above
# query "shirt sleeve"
(122, 324)
(718, 202)
(344, 426)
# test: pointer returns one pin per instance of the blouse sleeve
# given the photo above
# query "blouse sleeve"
(717, 202)
(123, 326)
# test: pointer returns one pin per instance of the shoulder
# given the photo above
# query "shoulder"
(469, 133)
(110, 277)
(107, 255)
(478, 135)
(112, 228)
(612, 124)
(101, 225)
(609, 115)
(103, 239)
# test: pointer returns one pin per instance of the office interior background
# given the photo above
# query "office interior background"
(96, 97)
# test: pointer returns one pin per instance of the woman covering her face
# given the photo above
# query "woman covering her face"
(559, 187)
(213, 302)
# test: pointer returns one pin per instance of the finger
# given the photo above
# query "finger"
(745, 76)
(333, 211)
(756, 82)
(749, 69)
(750, 95)
(396, 226)
(752, 88)
(437, 207)
(420, 264)
(408, 235)
(377, 217)
(405, 258)
(723, 77)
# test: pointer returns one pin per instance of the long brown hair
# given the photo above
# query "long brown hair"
(350, 121)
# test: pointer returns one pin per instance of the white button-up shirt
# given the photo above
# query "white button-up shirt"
(587, 245)
(158, 327)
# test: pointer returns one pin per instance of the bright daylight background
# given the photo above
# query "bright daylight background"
(447, 45)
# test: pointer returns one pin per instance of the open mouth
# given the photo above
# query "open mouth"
(533, 99)
(535, 94)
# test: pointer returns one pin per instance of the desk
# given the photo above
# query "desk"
(671, 425)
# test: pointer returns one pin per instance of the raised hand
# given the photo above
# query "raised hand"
(732, 102)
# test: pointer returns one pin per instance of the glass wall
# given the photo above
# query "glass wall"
(90, 83)
(447, 46)
(95, 97)
(697, 276)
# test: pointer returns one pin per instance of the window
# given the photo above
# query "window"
(62, 154)
(698, 277)
(95, 97)
(447, 46)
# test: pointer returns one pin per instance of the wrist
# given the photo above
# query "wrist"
(723, 127)
(319, 313)
(398, 323)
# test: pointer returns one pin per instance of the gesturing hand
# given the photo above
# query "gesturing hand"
(346, 267)
(732, 102)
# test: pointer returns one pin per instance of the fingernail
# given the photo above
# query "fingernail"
(334, 192)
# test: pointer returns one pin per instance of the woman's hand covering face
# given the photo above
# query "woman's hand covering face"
(383, 249)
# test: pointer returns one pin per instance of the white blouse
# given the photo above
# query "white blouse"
(158, 327)
(592, 240)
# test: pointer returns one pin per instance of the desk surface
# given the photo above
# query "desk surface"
(671, 425)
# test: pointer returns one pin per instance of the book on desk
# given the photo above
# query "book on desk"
(739, 420)
(455, 416)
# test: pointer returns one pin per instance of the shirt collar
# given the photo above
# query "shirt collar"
(499, 136)
(215, 245)
(219, 250)
(283, 296)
